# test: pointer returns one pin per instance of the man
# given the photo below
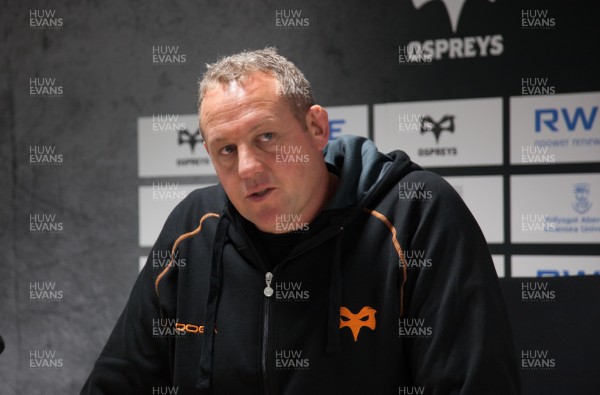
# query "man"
(310, 268)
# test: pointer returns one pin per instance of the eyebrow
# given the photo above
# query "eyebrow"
(260, 124)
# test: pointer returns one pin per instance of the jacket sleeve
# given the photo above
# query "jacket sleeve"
(133, 360)
(470, 348)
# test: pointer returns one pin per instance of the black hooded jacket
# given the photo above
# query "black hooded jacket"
(393, 291)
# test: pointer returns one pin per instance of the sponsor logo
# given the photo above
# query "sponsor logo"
(582, 203)
(291, 19)
(334, 130)
(537, 360)
(191, 328)
(444, 124)
(192, 139)
(579, 223)
(549, 119)
(565, 273)
(456, 47)
(453, 9)
(291, 360)
(365, 318)
(185, 137)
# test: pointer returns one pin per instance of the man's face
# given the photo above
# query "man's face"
(270, 164)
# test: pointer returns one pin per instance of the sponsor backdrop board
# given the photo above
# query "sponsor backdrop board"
(156, 203)
(348, 120)
(169, 145)
(499, 264)
(554, 265)
(553, 208)
(555, 129)
(442, 133)
(483, 196)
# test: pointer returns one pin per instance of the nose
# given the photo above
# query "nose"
(249, 164)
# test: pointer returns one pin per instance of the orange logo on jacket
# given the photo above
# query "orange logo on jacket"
(364, 318)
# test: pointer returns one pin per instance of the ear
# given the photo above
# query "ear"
(205, 147)
(317, 125)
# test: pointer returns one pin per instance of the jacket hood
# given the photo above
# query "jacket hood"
(365, 173)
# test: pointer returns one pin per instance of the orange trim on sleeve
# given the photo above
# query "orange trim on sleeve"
(179, 240)
(398, 248)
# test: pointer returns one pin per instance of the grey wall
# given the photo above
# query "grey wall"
(102, 59)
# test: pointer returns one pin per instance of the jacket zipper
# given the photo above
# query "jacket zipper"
(268, 291)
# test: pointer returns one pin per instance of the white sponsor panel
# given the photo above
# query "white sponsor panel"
(499, 264)
(170, 145)
(156, 202)
(555, 129)
(141, 262)
(352, 120)
(555, 208)
(554, 265)
(442, 133)
(484, 197)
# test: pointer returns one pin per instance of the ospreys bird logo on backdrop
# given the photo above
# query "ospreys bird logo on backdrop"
(445, 124)
(185, 137)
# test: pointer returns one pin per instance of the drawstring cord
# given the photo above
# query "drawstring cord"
(334, 344)
(212, 303)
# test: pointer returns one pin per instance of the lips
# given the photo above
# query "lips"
(259, 194)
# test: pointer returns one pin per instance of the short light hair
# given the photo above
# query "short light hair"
(291, 83)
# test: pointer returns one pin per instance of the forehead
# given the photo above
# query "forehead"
(252, 99)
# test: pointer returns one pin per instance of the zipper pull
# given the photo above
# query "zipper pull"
(268, 290)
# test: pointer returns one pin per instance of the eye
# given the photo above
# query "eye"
(266, 136)
(227, 150)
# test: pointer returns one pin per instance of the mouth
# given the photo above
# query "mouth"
(259, 195)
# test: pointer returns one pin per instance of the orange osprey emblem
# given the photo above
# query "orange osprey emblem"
(365, 317)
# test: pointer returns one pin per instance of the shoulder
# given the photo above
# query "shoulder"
(197, 204)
